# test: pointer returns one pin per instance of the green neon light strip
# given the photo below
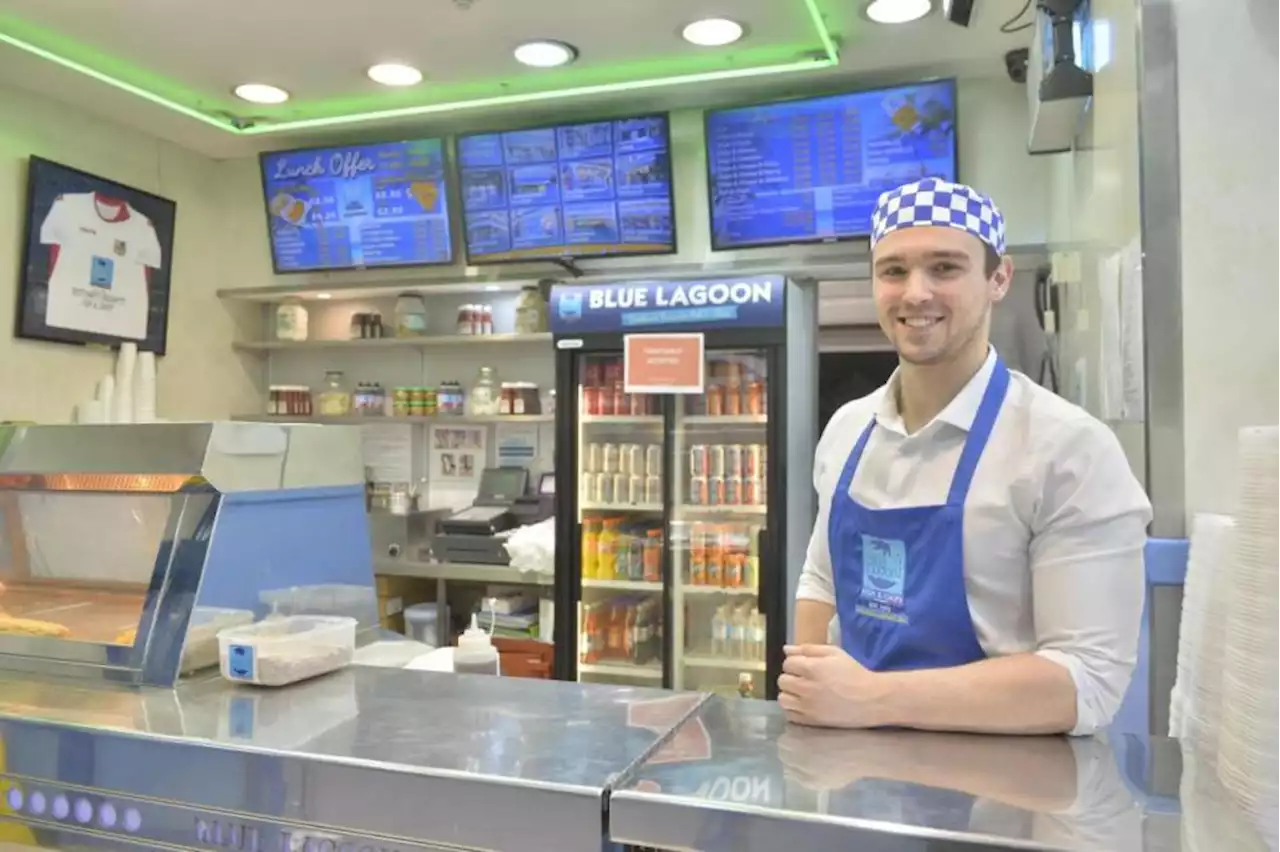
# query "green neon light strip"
(72, 65)
(828, 45)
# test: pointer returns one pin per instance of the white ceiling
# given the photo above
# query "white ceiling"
(319, 50)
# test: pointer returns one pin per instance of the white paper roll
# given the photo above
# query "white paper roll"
(126, 363)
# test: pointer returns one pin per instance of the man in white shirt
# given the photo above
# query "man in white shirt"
(101, 254)
(979, 539)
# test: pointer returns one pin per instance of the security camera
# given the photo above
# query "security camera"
(1015, 64)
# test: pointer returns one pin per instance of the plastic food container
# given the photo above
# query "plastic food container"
(280, 651)
(420, 623)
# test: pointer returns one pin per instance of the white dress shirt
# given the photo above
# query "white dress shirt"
(1054, 525)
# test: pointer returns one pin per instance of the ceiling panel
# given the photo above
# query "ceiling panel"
(194, 53)
(197, 53)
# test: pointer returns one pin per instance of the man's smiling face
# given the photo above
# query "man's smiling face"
(934, 288)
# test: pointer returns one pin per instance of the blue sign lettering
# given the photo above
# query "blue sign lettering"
(751, 302)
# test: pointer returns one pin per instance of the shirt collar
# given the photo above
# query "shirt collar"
(960, 412)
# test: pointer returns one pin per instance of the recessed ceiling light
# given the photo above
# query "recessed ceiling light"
(395, 74)
(898, 11)
(324, 295)
(261, 93)
(491, 288)
(545, 54)
(712, 32)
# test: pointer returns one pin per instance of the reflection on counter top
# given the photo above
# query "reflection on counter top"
(421, 721)
(479, 762)
(736, 776)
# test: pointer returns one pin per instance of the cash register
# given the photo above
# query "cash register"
(474, 534)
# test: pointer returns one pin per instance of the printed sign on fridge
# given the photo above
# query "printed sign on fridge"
(664, 363)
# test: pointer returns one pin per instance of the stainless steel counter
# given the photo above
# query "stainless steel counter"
(370, 757)
(736, 776)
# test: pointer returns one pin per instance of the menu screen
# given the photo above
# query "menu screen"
(803, 171)
(358, 206)
(577, 190)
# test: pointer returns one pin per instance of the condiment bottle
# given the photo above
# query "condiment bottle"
(475, 653)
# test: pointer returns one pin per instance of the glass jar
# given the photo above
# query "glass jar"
(291, 320)
(531, 312)
(411, 315)
(484, 393)
(334, 399)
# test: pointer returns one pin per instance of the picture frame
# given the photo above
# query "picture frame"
(97, 260)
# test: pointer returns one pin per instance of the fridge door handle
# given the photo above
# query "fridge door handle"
(765, 582)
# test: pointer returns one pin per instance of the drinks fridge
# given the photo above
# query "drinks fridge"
(682, 518)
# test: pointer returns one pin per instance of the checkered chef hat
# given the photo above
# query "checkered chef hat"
(939, 203)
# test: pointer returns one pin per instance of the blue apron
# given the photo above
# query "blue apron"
(899, 573)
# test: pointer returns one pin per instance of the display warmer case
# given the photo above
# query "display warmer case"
(125, 549)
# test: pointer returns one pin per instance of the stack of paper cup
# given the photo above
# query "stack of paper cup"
(125, 365)
(144, 390)
(1248, 740)
(1196, 700)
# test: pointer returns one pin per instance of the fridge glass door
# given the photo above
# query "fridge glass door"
(719, 464)
(620, 514)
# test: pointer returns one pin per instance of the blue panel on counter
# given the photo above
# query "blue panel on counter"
(314, 538)
(631, 306)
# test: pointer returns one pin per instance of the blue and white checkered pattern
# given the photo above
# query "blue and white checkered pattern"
(941, 204)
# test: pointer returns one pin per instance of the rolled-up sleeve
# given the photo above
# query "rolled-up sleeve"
(1086, 557)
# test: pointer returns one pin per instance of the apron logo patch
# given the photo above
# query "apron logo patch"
(884, 568)
(121, 247)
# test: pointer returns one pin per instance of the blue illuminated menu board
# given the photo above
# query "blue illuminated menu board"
(363, 205)
(801, 171)
(578, 190)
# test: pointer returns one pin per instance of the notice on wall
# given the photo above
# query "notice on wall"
(388, 452)
(456, 458)
(664, 363)
(517, 444)
(1123, 385)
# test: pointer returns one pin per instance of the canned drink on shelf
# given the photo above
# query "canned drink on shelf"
(756, 398)
(716, 460)
(715, 401)
(609, 458)
(590, 488)
(733, 491)
(639, 404)
(592, 461)
(653, 489)
(753, 461)
(733, 460)
(619, 487)
(716, 491)
(635, 489)
(632, 462)
(698, 554)
(591, 400)
(715, 557)
(698, 460)
(699, 491)
(753, 492)
(653, 460)
(604, 487)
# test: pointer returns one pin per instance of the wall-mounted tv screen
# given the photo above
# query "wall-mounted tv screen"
(596, 189)
(811, 170)
(358, 206)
